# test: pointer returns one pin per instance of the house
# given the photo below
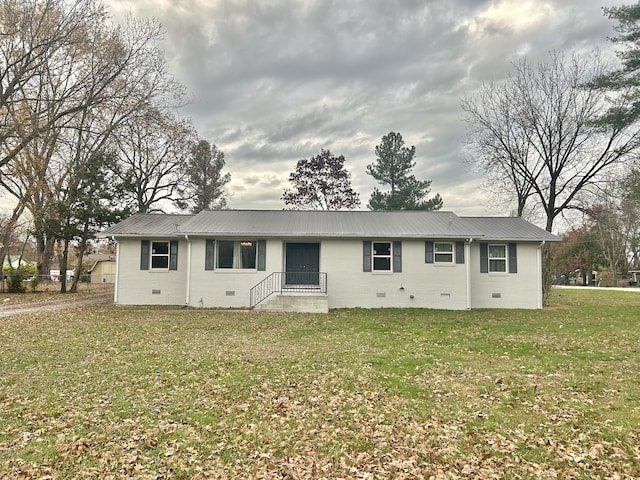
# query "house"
(317, 260)
(16, 261)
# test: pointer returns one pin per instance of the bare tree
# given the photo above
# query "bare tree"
(538, 133)
(79, 97)
(37, 37)
(153, 147)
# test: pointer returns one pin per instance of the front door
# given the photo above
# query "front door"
(302, 264)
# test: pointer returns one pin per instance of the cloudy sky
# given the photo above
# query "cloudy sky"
(274, 81)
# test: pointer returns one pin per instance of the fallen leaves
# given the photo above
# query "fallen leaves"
(165, 394)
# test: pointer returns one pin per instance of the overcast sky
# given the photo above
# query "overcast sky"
(274, 81)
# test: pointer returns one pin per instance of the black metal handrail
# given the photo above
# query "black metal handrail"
(278, 282)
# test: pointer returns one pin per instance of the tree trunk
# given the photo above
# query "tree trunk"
(63, 266)
(78, 270)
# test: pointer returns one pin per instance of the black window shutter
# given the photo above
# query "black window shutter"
(513, 258)
(428, 252)
(397, 256)
(459, 252)
(144, 254)
(173, 255)
(366, 256)
(484, 258)
(209, 258)
(262, 255)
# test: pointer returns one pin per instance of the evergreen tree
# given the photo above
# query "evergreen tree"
(625, 81)
(204, 184)
(393, 168)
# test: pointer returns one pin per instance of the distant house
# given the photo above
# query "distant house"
(317, 260)
(16, 261)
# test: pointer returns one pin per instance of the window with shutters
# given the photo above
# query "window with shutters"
(236, 254)
(497, 258)
(443, 252)
(381, 256)
(159, 255)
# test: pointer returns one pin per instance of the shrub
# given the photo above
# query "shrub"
(17, 276)
(35, 281)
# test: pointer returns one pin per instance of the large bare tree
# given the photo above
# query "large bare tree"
(153, 147)
(538, 134)
(36, 38)
(65, 115)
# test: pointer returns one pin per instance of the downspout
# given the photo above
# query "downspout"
(115, 283)
(467, 247)
(540, 273)
(188, 293)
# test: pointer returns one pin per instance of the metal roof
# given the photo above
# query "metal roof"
(509, 228)
(297, 223)
(329, 224)
(147, 224)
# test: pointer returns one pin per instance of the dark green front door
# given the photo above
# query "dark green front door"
(302, 264)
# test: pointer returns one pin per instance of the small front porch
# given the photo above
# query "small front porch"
(291, 292)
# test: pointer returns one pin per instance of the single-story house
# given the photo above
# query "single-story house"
(317, 260)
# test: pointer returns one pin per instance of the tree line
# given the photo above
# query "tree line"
(90, 133)
(89, 129)
(560, 140)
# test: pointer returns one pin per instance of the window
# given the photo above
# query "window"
(159, 255)
(443, 252)
(497, 258)
(381, 256)
(237, 254)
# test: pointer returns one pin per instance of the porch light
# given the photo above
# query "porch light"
(246, 244)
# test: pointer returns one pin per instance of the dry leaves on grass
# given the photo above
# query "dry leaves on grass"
(154, 394)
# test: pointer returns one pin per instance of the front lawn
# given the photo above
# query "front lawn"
(105, 392)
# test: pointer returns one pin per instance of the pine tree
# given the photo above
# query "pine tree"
(204, 183)
(393, 168)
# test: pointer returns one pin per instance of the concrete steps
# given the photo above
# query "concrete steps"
(295, 302)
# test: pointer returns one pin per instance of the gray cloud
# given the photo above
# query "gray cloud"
(274, 82)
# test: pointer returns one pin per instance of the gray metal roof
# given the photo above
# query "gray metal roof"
(297, 223)
(147, 224)
(332, 224)
(509, 228)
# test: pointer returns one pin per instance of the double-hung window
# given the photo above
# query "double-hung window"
(497, 258)
(237, 254)
(381, 256)
(443, 252)
(159, 255)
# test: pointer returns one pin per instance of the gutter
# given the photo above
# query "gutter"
(539, 261)
(467, 247)
(115, 283)
(188, 292)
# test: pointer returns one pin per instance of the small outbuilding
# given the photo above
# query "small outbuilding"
(103, 271)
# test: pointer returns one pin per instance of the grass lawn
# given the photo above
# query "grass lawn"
(105, 392)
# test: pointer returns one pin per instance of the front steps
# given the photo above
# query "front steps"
(295, 302)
